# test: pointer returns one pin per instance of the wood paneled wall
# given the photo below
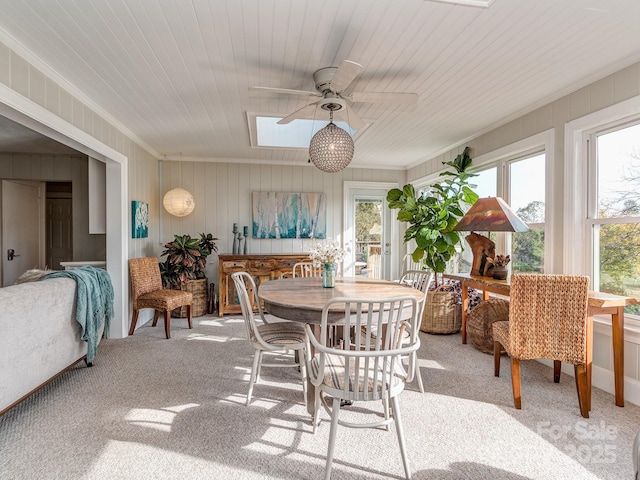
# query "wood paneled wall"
(222, 192)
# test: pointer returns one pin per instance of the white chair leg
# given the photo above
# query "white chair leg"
(260, 352)
(303, 373)
(254, 373)
(420, 385)
(400, 431)
(316, 410)
(385, 406)
(335, 411)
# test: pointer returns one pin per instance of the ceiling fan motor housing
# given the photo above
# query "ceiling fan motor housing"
(323, 77)
(332, 103)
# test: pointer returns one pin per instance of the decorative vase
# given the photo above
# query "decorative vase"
(500, 273)
(329, 275)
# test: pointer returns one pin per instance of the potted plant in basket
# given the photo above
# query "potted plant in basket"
(432, 217)
(184, 268)
(431, 220)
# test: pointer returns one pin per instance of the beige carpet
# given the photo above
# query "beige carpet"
(153, 408)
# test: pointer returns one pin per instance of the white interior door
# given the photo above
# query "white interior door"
(370, 257)
(23, 245)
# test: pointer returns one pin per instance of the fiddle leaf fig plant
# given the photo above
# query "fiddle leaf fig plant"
(432, 216)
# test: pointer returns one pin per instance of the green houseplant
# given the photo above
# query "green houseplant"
(186, 259)
(184, 267)
(432, 217)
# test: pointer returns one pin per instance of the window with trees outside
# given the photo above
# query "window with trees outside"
(521, 183)
(527, 198)
(614, 211)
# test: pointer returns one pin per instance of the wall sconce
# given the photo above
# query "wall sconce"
(490, 214)
(178, 202)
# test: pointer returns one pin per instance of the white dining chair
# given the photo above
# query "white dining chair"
(420, 280)
(272, 337)
(307, 269)
(366, 369)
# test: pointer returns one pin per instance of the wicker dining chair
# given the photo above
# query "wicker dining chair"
(547, 319)
(147, 292)
(364, 370)
(273, 337)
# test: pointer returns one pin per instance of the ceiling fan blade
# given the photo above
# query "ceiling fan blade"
(286, 90)
(346, 73)
(388, 97)
(305, 112)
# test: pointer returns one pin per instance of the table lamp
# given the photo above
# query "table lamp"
(490, 214)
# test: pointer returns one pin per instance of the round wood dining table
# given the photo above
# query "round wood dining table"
(302, 299)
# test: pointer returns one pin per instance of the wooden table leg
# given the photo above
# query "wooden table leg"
(617, 334)
(589, 361)
(465, 308)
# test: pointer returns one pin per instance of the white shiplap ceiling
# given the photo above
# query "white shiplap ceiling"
(176, 73)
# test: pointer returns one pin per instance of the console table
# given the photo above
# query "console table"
(599, 303)
(260, 267)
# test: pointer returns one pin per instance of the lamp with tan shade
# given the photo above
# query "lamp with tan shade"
(491, 214)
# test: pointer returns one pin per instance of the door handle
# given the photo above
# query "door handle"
(11, 254)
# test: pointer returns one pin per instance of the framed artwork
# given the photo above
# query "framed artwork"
(289, 215)
(139, 219)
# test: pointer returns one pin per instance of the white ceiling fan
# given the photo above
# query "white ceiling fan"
(332, 86)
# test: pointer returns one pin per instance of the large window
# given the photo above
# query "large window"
(527, 199)
(520, 180)
(517, 173)
(614, 210)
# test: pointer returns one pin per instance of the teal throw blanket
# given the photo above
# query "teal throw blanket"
(94, 304)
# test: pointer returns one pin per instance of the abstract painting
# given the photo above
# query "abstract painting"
(139, 219)
(289, 215)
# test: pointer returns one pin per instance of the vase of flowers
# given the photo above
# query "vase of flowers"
(327, 255)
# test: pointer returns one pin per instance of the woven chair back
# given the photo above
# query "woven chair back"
(145, 277)
(548, 317)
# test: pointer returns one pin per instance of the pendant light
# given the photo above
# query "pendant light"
(331, 148)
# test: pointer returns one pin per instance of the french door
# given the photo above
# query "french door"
(369, 230)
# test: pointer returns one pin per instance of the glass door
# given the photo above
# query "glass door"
(369, 229)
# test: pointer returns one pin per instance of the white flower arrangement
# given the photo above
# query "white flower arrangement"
(329, 252)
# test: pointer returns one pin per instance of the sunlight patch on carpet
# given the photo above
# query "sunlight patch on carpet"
(156, 419)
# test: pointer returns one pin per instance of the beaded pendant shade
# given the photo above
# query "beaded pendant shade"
(331, 148)
(178, 202)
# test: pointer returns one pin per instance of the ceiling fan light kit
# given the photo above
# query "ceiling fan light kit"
(331, 148)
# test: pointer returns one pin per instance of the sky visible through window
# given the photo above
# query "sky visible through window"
(527, 182)
(618, 164)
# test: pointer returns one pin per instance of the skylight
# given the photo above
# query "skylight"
(467, 3)
(266, 133)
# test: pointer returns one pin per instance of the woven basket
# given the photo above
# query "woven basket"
(441, 312)
(199, 290)
(480, 322)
